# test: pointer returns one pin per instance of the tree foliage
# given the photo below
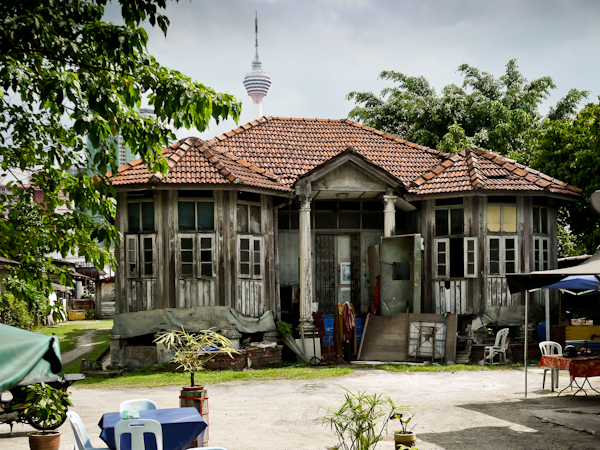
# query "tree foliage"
(569, 149)
(500, 114)
(67, 75)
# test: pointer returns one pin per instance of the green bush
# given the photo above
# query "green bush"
(90, 314)
(15, 312)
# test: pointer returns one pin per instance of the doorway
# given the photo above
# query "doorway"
(337, 271)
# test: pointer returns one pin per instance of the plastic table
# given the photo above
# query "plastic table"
(180, 426)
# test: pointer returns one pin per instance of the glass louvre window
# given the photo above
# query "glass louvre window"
(245, 256)
(187, 256)
(206, 252)
(495, 256)
(140, 216)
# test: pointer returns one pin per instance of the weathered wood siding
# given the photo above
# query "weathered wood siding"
(168, 288)
(470, 295)
(451, 300)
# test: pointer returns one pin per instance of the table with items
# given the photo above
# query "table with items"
(583, 366)
(180, 427)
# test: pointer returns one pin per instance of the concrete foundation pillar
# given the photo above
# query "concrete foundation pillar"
(117, 351)
(234, 336)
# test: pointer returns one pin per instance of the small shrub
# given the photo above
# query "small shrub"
(15, 312)
(90, 314)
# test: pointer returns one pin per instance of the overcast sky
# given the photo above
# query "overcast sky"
(317, 51)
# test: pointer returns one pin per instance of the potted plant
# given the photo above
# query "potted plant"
(403, 437)
(194, 350)
(358, 420)
(46, 408)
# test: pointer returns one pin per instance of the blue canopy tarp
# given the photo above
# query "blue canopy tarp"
(577, 284)
(25, 355)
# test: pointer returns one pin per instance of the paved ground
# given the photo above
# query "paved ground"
(462, 410)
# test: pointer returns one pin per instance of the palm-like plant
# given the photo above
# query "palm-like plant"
(357, 420)
(194, 350)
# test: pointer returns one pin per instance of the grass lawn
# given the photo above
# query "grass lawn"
(165, 376)
(69, 331)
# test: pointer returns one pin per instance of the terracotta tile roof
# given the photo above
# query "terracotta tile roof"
(274, 152)
(291, 147)
(477, 169)
(191, 161)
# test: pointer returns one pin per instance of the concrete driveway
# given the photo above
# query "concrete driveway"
(462, 410)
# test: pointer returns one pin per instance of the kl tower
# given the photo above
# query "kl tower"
(258, 81)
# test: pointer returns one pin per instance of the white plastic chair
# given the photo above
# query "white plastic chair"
(82, 442)
(137, 428)
(550, 348)
(139, 404)
(499, 347)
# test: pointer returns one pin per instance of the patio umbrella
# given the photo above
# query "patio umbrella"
(577, 284)
(579, 279)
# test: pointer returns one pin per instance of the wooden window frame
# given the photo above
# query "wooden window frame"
(539, 262)
(502, 206)
(449, 209)
(260, 212)
(196, 256)
(135, 257)
(502, 253)
(252, 253)
(539, 211)
(446, 242)
(195, 201)
(466, 251)
(139, 203)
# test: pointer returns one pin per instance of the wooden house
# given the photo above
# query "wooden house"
(279, 215)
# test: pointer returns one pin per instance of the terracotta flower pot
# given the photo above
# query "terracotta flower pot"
(50, 441)
(407, 439)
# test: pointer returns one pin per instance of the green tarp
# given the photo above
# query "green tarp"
(25, 355)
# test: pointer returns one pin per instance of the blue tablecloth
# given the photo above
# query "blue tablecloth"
(180, 426)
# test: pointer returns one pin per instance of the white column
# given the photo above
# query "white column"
(306, 320)
(389, 215)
